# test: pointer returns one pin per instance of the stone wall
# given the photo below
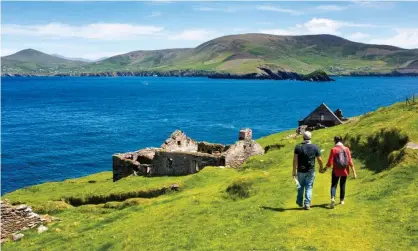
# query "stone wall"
(239, 152)
(181, 155)
(133, 163)
(245, 134)
(179, 142)
(211, 148)
(182, 163)
(124, 165)
(14, 219)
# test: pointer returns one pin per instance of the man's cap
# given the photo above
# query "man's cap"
(307, 135)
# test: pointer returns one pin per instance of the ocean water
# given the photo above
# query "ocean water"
(57, 128)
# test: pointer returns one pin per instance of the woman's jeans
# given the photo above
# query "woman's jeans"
(306, 181)
(334, 184)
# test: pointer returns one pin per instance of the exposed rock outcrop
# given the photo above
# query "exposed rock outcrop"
(317, 76)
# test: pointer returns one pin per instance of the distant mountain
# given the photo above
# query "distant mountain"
(247, 53)
(30, 61)
(79, 59)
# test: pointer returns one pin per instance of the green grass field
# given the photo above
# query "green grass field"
(252, 208)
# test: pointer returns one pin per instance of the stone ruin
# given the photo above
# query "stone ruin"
(15, 219)
(181, 155)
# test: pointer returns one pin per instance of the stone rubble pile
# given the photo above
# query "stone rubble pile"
(15, 219)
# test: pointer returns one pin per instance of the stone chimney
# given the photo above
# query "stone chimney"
(245, 134)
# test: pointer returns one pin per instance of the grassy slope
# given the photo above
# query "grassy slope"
(380, 211)
(304, 54)
(245, 53)
(29, 61)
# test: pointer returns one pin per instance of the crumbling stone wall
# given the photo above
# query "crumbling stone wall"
(181, 155)
(239, 152)
(14, 219)
(178, 141)
(245, 134)
(145, 156)
(211, 148)
(133, 163)
(124, 165)
(182, 163)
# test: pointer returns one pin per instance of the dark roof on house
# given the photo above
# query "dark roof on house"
(322, 107)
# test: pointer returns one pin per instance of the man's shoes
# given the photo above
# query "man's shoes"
(342, 202)
(332, 204)
(300, 205)
(307, 207)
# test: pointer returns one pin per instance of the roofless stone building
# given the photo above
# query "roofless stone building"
(181, 155)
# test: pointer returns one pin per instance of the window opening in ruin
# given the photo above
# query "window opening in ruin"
(196, 166)
(322, 117)
(170, 163)
(179, 143)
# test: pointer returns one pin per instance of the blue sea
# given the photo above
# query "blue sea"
(56, 128)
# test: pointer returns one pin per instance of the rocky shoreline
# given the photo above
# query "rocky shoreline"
(378, 74)
(264, 74)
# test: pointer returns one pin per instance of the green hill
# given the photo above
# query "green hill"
(31, 61)
(247, 52)
(248, 209)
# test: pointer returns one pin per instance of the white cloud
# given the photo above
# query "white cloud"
(265, 23)
(155, 14)
(374, 4)
(327, 26)
(161, 1)
(358, 36)
(7, 51)
(316, 26)
(205, 9)
(210, 9)
(277, 32)
(99, 55)
(404, 38)
(195, 35)
(278, 9)
(100, 31)
(331, 7)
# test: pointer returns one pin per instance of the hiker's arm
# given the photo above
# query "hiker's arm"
(320, 162)
(319, 158)
(351, 164)
(295, 164)
(330, 159)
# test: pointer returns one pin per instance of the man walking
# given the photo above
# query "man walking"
(340, 160)
(304, 162)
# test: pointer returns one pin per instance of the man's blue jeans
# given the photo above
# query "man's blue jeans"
(306, 181)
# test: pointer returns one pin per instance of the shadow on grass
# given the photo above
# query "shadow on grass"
(280, 209)
(379, 151)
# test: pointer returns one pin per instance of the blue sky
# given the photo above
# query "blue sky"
(101, 29)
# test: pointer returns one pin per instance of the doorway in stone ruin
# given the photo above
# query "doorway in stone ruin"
(194, 167)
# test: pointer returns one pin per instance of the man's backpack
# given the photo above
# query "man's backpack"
(341, 159)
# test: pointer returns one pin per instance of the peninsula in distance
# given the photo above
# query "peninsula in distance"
(252, 56)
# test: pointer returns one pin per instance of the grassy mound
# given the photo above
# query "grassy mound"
(252, 208)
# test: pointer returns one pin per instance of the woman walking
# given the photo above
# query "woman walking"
(340, 161)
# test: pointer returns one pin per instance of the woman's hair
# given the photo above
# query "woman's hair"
(338, 139)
